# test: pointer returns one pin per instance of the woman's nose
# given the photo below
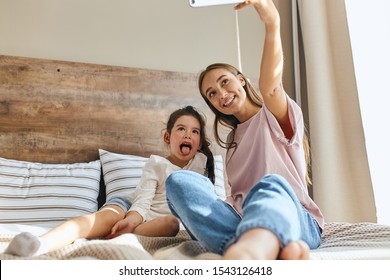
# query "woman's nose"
(223, 93)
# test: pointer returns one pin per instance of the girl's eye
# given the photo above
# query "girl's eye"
(196, 132)
(180, 128)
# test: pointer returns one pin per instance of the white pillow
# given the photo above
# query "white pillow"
(122, 173)
(47, 194)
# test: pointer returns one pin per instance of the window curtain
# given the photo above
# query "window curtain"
(325, 87)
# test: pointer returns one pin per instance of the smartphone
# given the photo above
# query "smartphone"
(205, 3)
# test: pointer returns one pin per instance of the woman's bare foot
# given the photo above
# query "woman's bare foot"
(296, 250)
(262, 244)
(255, 244)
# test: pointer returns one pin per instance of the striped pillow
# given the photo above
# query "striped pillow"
(122, 173)
(47, 194)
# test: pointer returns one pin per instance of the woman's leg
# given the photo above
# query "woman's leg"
(161, 226)
(207, 218)
(274, 220)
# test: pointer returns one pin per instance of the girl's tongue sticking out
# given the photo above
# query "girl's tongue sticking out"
(185, 149)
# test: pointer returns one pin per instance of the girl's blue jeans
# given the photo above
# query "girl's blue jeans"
(271, 204)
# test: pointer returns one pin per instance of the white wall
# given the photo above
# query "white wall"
(167, 35)
(369, 25)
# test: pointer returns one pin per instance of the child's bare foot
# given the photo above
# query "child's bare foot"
(296, 250)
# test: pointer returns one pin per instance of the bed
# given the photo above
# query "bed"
(63, 123)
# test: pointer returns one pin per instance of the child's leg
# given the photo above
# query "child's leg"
(93, 225)
(162, 226)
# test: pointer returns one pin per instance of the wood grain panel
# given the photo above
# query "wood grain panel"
(63, 112)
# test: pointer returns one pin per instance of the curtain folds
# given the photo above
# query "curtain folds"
(325, 79)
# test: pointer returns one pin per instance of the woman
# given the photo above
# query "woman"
(269, 214)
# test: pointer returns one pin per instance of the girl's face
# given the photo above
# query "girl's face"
(184, 140)
(224, 91)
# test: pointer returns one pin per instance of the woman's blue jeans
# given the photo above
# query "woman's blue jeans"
(271, 204)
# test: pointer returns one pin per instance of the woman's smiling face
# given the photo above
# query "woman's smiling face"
(224, 91)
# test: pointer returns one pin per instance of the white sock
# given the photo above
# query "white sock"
(26, 244)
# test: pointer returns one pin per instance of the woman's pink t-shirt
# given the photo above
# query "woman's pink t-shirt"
(263, 149)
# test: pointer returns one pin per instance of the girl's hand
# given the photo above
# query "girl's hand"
(127, 225)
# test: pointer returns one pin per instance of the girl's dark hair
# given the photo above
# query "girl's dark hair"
(204, 142)
(231, 121)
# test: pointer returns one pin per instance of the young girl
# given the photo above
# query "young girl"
(146, 212)
(269, 214)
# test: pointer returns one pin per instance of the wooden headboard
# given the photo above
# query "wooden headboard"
(63, 112)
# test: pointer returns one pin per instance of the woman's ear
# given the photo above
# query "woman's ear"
(242, 80)
(166, 138)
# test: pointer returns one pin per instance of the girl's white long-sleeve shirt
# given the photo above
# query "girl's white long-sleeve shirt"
(149, 198)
